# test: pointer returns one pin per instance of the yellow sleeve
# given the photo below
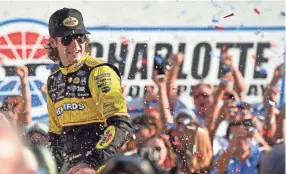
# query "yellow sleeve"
(54, 124)
(105, 87)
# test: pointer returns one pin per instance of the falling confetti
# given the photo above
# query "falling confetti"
(257, 32)
(214, 20)
(257, 11)
(158, 59)
(219, 28)
(282, 13)
(183, 12)
(144, 61)
(253, 57)
(272, 44)
(232, 8)
(227, 16)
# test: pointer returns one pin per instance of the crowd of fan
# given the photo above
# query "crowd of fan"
(219, 135)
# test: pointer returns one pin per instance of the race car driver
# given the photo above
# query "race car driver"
(88, 120)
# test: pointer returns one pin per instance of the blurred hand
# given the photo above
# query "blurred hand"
(225, 82)
(270, 94)
(160, 81)
(279, 71)
(44, 89)
(177, 59)
(124, 89)
(227, 59)
(81, 169)
(22, 71)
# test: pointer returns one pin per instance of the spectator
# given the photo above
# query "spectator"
(14, 156)
(162, 150)
(37, 134)
(17, 108)
(196, 155)
(274, 161)
(243, 154)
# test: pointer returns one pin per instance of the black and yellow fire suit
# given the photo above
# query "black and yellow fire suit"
(88, 119)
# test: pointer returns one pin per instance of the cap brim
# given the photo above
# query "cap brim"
(72, 32)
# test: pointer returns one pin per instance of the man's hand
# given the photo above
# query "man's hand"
(22, 71)
(81, 169)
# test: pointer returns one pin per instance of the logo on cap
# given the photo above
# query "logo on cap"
(70, 22)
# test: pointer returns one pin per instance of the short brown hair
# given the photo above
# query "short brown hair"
(53, 53)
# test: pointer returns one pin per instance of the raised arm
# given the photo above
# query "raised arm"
(165, 114)
(24, 117)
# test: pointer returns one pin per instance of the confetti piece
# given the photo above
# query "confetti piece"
(272, 44)
(253, 57)
(232, 8)
(183, 12)
(257, 32)
(215, 20)
(224, 47)
(219, 28)
(50, 66)
(158, 59)
(125, 42)
(282, 13)
(144, 61)
(227, 16)
(257, 11)
(132, 108)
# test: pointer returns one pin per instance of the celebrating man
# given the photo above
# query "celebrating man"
(88, 120)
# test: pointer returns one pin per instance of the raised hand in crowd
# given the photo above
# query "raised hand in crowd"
(24, 117)
(161, 82)
(239, 83)
(270, 99)
(176, 60)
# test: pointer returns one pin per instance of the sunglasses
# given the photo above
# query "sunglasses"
(80, 38)
(158, 148)
(204, 95)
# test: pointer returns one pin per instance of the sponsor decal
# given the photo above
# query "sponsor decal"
(80, 73)
(70, 21)
(83, 95)
(105, 89)
(102, 75)
(76, 80)
(80, 88)
(70, 79)
(104, 84)
(69, 107)
(83, 81)
(107, 138)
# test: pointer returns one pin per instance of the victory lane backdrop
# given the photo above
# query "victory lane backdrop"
(132, 47)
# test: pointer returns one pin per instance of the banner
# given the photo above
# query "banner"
(132, 50)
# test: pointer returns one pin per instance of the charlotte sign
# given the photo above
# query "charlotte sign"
(132, 50)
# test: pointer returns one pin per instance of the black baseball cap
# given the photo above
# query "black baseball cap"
(66, 21)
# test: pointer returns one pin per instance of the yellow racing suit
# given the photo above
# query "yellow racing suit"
(88, 119)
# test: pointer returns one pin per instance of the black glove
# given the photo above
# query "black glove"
(116, 134)
(57, 149)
